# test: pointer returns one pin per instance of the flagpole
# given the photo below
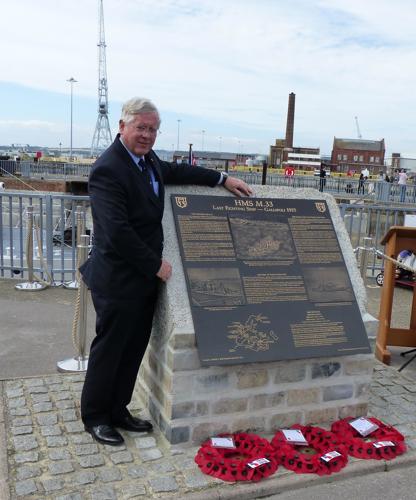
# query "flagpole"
(190, 155)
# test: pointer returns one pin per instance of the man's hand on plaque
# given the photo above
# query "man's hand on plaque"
(238, 187)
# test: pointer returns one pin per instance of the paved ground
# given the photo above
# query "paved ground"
(44, 453)
(38, 324)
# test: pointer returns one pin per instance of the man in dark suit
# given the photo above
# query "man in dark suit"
(126, 187)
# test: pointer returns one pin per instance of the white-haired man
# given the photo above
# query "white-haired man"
(126, 187)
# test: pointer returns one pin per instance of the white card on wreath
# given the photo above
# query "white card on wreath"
(295, 436)
(363, 426)
(258, 462)
(383, 444)
(222, 442)
(330, 456)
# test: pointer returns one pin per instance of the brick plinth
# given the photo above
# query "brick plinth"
(190, 402)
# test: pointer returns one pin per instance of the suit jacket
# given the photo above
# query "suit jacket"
(127, 218)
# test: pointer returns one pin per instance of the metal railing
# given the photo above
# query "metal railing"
(44, 170)
(375, 189)
(54, 239)
(56, 217)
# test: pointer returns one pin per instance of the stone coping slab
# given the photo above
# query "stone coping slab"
(50, 456)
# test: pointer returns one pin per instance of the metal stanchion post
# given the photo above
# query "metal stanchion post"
(80, 362)
(368, 243)
(31, 285)
(80, 228)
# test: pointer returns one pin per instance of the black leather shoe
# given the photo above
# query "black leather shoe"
(129, 423)
(105, 434)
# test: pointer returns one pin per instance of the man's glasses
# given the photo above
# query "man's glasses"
(143, 129)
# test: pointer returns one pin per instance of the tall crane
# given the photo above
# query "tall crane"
(358, 128)
(102, 134)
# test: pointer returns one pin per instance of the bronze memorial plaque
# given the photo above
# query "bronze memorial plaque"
(266, 280)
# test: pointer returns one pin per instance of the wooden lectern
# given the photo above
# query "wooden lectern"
(398, 238)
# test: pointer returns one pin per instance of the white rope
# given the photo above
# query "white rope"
(75, 322)
(43, 264)
(29, 258)
(387, 257)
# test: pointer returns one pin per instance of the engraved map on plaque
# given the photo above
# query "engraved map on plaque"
(260, 239)
(266, 280)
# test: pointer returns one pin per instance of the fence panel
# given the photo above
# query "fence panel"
(372, 221)
(54, 235)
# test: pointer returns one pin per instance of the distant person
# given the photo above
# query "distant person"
(126, 266)
(387, 178)
(402, 181)
(361, 182)
(322, 178)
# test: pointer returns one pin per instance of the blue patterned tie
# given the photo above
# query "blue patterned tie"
(146, 174)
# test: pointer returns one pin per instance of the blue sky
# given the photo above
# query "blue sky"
(225, 67)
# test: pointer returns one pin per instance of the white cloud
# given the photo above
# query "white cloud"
(234, 62)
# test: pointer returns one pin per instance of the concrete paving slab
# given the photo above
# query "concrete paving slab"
(36, 329)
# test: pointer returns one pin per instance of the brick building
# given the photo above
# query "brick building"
(357, 154)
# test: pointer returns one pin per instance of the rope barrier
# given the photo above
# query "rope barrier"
(79, 363)
(379, 253)
(35, 283)
(75, 323)
(80, 230)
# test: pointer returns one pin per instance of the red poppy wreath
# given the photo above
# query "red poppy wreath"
(323, 454)
(383, 443)
(250, 459)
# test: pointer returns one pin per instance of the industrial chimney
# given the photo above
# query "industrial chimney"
(290, 124)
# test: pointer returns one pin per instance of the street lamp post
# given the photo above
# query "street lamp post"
(177, 145)
(71, 81)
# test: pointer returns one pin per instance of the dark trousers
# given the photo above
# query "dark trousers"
(123, 330)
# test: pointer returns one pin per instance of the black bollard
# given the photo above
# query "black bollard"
(264, 174)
